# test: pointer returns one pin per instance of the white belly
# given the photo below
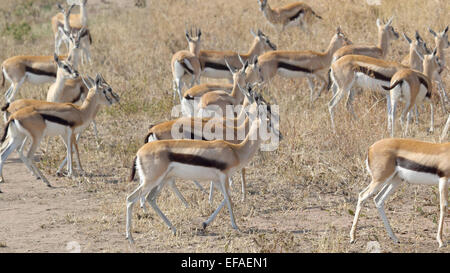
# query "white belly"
(291, 74)
(366, 82)
(414, 177)
(216, 73)
(39, 79)
(193, 172)
(55, 129)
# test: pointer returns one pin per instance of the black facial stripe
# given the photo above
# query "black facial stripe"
(40, 72)
(216, 66)
(58, 120)
(197, 161)
(296, 15)
(374, 74)
(414, 166)
(294, 68)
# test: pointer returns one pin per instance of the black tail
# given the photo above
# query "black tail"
(133, 170)
(190, 71)
(315, 14)
(392, 87)
(329, 79)
(5, 107)
(5, 131)
(90, 37)
(148, 134)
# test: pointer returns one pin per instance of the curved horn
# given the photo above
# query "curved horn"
(407, 38)
(432, 32)
(232, 70)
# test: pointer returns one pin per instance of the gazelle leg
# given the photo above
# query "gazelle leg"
(243, 185)
(311, 89)
(445, 130)
(333, 102)
(224, 187)
(431, 117)
(151, 198)
(363, 195)
(131, 199)
(443, 196)
(35, 141)
(171, 183)
(16, 87)
(379, 203)
(199, 186)
(211, 192)
(7, 150)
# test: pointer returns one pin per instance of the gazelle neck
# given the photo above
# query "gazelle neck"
(90, 106)
(194, 48)
(440, 50)
(269, 13)
(255, 50)
(414, 59)
(383, 42)
(235, 92)
(248, 147)
(428, 68)
(332, 48)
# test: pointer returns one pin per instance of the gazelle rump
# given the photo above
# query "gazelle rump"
(390, 161)
(294, 14)
(158, 162)
(52, 119)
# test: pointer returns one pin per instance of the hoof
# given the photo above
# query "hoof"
(204, 225)
(59, 174)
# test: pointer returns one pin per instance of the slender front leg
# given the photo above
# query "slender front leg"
(443, 196)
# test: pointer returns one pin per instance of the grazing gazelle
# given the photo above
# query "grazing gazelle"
(186, 62)
(386, 33)
(53, 119)
(36, 69)
(362, 71)
(213, 62)
(294, 14)
(301, 64)
(392, 160)
(413, 87)
(159, 162)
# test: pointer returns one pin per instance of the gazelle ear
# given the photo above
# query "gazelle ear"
(338, 30)
(418, 38)
(188, 38)
(98, 80)
(390, 21)
(378, 22)
(70, 9)
(434, 52)
(407, 38)
(253, 33)
(61, 9)
(232, 70)
(255, 60)
(445, 31)
(432, 32)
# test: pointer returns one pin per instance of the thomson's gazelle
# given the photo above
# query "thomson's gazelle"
(413, 87)
(386, 33)
(417, 47)
(390, 161)
(301, 64)
(441, 43)
(186, 62)
(53, 119)
(294, 14)
(158, 162)
(213, 61)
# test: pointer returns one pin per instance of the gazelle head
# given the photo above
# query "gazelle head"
(385, 29)
(65, 69)
(441, 39)
(74, 39)
(262, 4)
(418, 45)
(103, 91)
(194, 40)
(66, 14)
(239, 75)
(262, 42)
(339, 39)
(432, 62)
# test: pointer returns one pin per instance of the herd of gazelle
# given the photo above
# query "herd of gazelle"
(190, 154)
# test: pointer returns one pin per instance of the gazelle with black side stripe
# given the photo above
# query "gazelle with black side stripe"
(158, 162)
(36, 69)
(186, 62)
(53, 119)
(294, 14)
(413, 87)
(416, 47)
(301, 64)
(213, 61)
(441, 43)
(390, 161)
(360, 71)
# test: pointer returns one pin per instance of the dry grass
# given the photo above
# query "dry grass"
(300, 197)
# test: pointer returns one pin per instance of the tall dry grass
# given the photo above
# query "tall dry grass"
(300, 197)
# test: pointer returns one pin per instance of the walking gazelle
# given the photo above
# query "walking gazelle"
(53, 119)
(390, 161)
(159, 162)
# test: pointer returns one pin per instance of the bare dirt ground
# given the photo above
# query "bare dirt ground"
(300, 197)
